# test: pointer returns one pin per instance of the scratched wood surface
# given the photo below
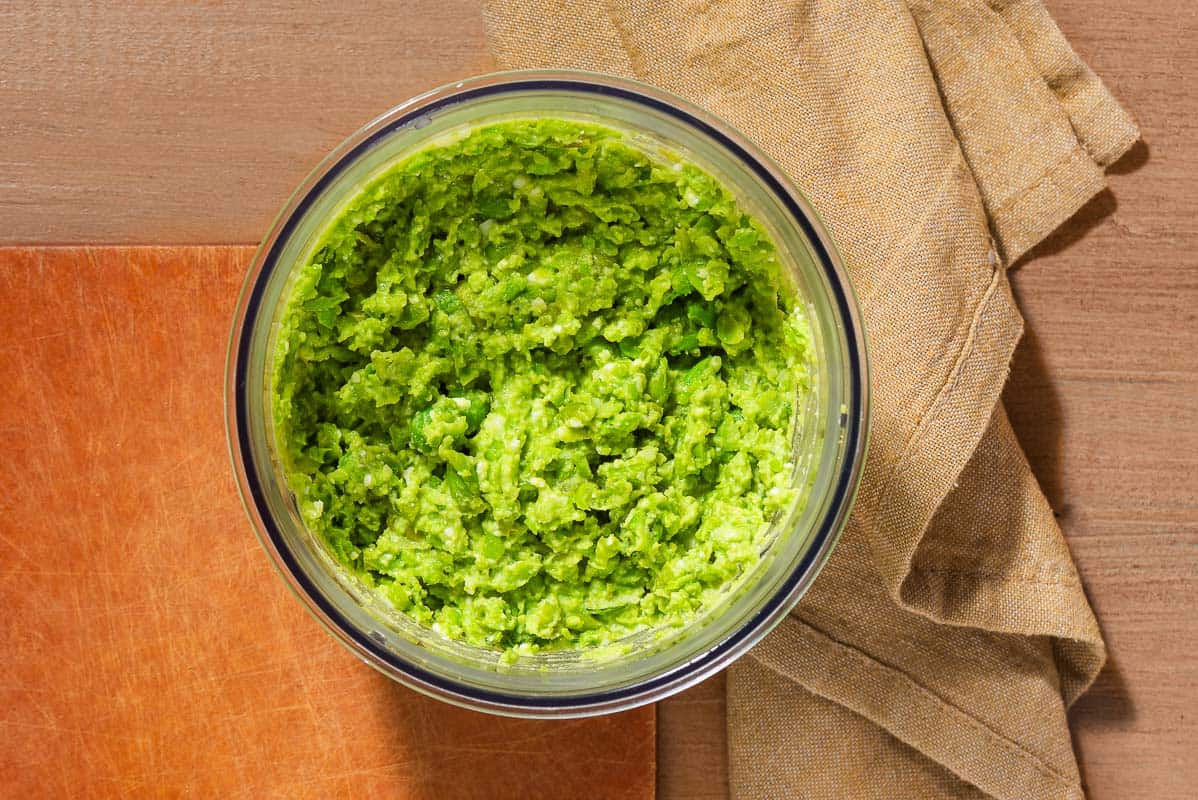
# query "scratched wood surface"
(148, 647)
(190, 124)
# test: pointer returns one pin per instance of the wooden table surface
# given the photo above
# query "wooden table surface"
(191, 123)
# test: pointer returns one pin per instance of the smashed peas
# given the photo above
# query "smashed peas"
(537, 387)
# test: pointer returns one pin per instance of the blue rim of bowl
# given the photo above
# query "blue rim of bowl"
(819, 546)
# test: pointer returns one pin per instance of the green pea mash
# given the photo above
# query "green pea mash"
(537, 387)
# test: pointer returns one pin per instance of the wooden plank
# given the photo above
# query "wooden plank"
(185, 123)
(149, 649)
(1104, 396)
(692, 744)
(192, 123)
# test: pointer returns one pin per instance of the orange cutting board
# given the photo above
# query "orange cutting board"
(147, 648)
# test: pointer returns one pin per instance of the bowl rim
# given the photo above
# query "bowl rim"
(855, 412)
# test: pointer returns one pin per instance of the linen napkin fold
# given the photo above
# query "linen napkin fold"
(940, 140)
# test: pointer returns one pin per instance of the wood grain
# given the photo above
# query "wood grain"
(1104, 396)
(193, 122)
(692, 744)
(187, 123)
(148, 647)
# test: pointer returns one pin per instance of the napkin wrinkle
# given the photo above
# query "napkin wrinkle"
(1034, 168)
(1103, 127)
(900, 683)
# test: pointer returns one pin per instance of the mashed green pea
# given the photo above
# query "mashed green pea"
(537, 387)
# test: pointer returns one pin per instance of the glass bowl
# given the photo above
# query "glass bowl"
(829, 446)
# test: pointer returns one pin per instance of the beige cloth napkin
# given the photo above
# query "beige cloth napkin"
(940, 140)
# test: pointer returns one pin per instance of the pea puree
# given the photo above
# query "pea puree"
(537, 387)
